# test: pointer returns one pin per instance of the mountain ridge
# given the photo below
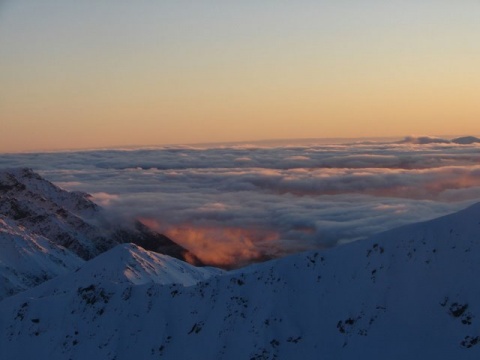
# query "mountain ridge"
(63, 228)
(405, 293)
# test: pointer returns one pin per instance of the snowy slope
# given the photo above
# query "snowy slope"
(27, 259)
(410, 293)
(46, 231)
(46, 210)
(70, 219)
(27, 185)
(129, 264)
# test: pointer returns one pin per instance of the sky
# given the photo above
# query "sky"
(87, 74)
(233, 205)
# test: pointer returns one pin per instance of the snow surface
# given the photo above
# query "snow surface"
(409, 293)
(46, 231)
(129, 264)
(72, 220)
(27, 259)
(56, 214)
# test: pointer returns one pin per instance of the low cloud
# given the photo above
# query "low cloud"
(234, 205)
(422, 140)
(103, 198)
(221, 245)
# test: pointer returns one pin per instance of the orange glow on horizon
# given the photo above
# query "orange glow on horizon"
(343, 72)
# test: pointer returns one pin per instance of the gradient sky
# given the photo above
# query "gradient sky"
(80, 74)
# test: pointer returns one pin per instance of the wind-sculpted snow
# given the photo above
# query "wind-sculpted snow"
(409, 293)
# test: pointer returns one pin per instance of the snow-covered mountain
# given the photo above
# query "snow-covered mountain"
(131, 265)
(46, 231)
(71, 219)
(27, 259)
(409, 293)
(47, 210)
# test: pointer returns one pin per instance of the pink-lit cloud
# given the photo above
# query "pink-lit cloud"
(280, 200)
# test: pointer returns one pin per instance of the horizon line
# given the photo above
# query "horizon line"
(267, 142)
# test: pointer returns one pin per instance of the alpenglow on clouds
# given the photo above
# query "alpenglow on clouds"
(239, 203)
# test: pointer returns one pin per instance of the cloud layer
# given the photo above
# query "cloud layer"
(237, 204)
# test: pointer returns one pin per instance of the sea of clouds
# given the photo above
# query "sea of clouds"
(234, 204)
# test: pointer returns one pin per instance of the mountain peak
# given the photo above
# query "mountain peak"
(405, 293)
(409, 293)
(64, 221)
(466, 140)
